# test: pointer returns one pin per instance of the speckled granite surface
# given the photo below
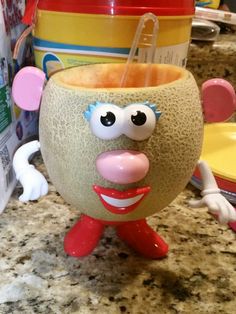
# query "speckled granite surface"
(198, 276)
(207, 60)
(217, 59)
(36, 276)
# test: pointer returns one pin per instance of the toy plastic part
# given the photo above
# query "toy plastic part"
(143, 239)
(217, 204)
(232, 225)
(122, 166)
(219, 101)
(27, 88)
(33, 182)
(84, 236)
(219, 150)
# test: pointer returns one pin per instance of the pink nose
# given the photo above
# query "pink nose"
(122, 166)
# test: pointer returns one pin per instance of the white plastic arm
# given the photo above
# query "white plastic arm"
(22, 155)
(212, 198)
(33, 182)
(209, 184)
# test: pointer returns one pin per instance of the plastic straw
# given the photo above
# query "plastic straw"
(147, 40)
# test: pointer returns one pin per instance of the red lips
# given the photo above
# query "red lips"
(121, 202)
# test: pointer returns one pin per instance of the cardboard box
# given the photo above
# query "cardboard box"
(16, 126)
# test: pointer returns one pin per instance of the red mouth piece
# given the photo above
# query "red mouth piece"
(121, 202)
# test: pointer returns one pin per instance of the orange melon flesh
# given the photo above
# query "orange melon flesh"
(100, 76)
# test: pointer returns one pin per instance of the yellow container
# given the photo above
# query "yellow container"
(65, 39)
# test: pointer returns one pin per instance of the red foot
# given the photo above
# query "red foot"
(83, 237)
(140, 236)
(232, 225)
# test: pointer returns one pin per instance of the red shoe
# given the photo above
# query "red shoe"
(83, 237)
(143, 239)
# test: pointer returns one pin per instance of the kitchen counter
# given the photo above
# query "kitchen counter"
(207, 60)
(198, 276)
(213, 59)
(36, 276)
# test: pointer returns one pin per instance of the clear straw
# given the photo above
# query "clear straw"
(146, 40)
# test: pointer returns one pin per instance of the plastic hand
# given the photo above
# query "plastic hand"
(34, 184)
(217, 205)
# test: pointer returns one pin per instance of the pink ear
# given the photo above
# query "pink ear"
(27, 88)
(219, 101)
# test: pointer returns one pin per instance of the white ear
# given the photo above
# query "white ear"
(27, 88)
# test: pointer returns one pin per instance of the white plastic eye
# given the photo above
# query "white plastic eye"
(107, 121)
(140, 122)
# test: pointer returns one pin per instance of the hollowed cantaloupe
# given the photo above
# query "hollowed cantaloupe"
(69, 148)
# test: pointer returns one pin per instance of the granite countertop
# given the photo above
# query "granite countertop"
(213, 59)
(207, 60)
(198, 276)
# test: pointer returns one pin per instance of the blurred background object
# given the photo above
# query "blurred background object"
(228, 5)
(204, 30)
(214, 4)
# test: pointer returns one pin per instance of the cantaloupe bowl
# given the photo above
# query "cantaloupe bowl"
(70, 149)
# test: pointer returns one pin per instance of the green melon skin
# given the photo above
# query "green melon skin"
(69, 149)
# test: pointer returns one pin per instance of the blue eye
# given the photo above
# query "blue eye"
(106, 121)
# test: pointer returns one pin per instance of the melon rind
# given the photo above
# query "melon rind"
(69, 149)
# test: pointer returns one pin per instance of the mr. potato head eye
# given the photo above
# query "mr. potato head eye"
(136, 121)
